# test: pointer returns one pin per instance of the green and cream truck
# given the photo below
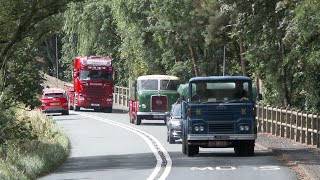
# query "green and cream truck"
(152, 97)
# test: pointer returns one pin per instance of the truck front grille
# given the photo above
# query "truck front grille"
(225, 128)
(97, 91)
(159, 103)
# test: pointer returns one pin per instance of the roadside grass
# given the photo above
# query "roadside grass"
(29, 159)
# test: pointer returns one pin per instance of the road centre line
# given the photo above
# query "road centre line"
(164, 162)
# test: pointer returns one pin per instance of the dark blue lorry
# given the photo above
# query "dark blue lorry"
(218, 112)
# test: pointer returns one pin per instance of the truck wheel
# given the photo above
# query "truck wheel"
(137, 120)
(184, 146)
(244, 148)
(76, 108)
(249, 148)
(192, 150)
(108, 109)
(65, 112)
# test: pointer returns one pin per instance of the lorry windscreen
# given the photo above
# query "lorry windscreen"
(148, 84)
(95, 75)
(217, 91)
(166, 84)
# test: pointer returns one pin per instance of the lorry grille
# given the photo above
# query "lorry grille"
(94, 91)
(225, 128)
(159, 103)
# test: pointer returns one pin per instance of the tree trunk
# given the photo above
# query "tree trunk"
(194, 59)
(284, 87)
(242, 58)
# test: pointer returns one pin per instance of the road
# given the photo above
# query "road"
(107, 146)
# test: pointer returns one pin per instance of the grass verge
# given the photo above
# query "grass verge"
(29, 159)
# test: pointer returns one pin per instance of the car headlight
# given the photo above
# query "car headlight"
(175, 123)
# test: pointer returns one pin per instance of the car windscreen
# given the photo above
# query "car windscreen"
(95, 75)
(176, 111)
(53, 95)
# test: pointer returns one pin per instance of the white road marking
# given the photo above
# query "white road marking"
(224, 168)
(143, 135)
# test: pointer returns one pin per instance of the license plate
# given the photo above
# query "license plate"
(158, 117)
(54, 104)
(95, 104)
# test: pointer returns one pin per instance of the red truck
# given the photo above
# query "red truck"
(93, 81)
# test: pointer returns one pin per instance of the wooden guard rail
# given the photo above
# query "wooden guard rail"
(121, 96)
(297, 126)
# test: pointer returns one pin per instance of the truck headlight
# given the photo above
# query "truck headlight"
(81, 98)
(199, 128)
(244, 128)
(143, 106)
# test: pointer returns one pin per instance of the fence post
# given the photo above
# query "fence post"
(318, 129)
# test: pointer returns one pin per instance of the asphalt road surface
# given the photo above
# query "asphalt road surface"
(107, 146)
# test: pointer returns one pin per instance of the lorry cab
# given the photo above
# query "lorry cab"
(218, 112)
(93, 83)
(152, 97)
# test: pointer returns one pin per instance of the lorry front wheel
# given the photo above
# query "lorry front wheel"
(137, 120)
(192, 150)
(75, 107)
(108, 109)
(245, 148)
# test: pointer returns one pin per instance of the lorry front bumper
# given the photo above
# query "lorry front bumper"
(221, 137)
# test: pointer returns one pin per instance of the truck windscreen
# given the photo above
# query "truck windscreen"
(207, 91)
(95, 75)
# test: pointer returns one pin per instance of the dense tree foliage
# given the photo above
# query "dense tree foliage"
(271, 40)
(276, 41)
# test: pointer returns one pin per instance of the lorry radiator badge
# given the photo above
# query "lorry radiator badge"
(243, 111)
(198, 111)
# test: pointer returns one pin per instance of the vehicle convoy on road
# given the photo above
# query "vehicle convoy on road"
(218, 112)
(93, 83)
(152, 97)
(54, 101)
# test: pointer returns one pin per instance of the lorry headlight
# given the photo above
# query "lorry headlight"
(143, 106)
(244, 128)
(201, 128)
(196, 128)
(81, 98)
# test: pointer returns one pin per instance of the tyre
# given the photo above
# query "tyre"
(184, 146)
(108, 109)
(192, 150)
(65, 112)
(245, 148)
(137, 120)
(75, 107)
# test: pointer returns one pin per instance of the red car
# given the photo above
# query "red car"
(54, 101)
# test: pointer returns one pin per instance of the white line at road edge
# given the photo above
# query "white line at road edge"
(144, 135)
